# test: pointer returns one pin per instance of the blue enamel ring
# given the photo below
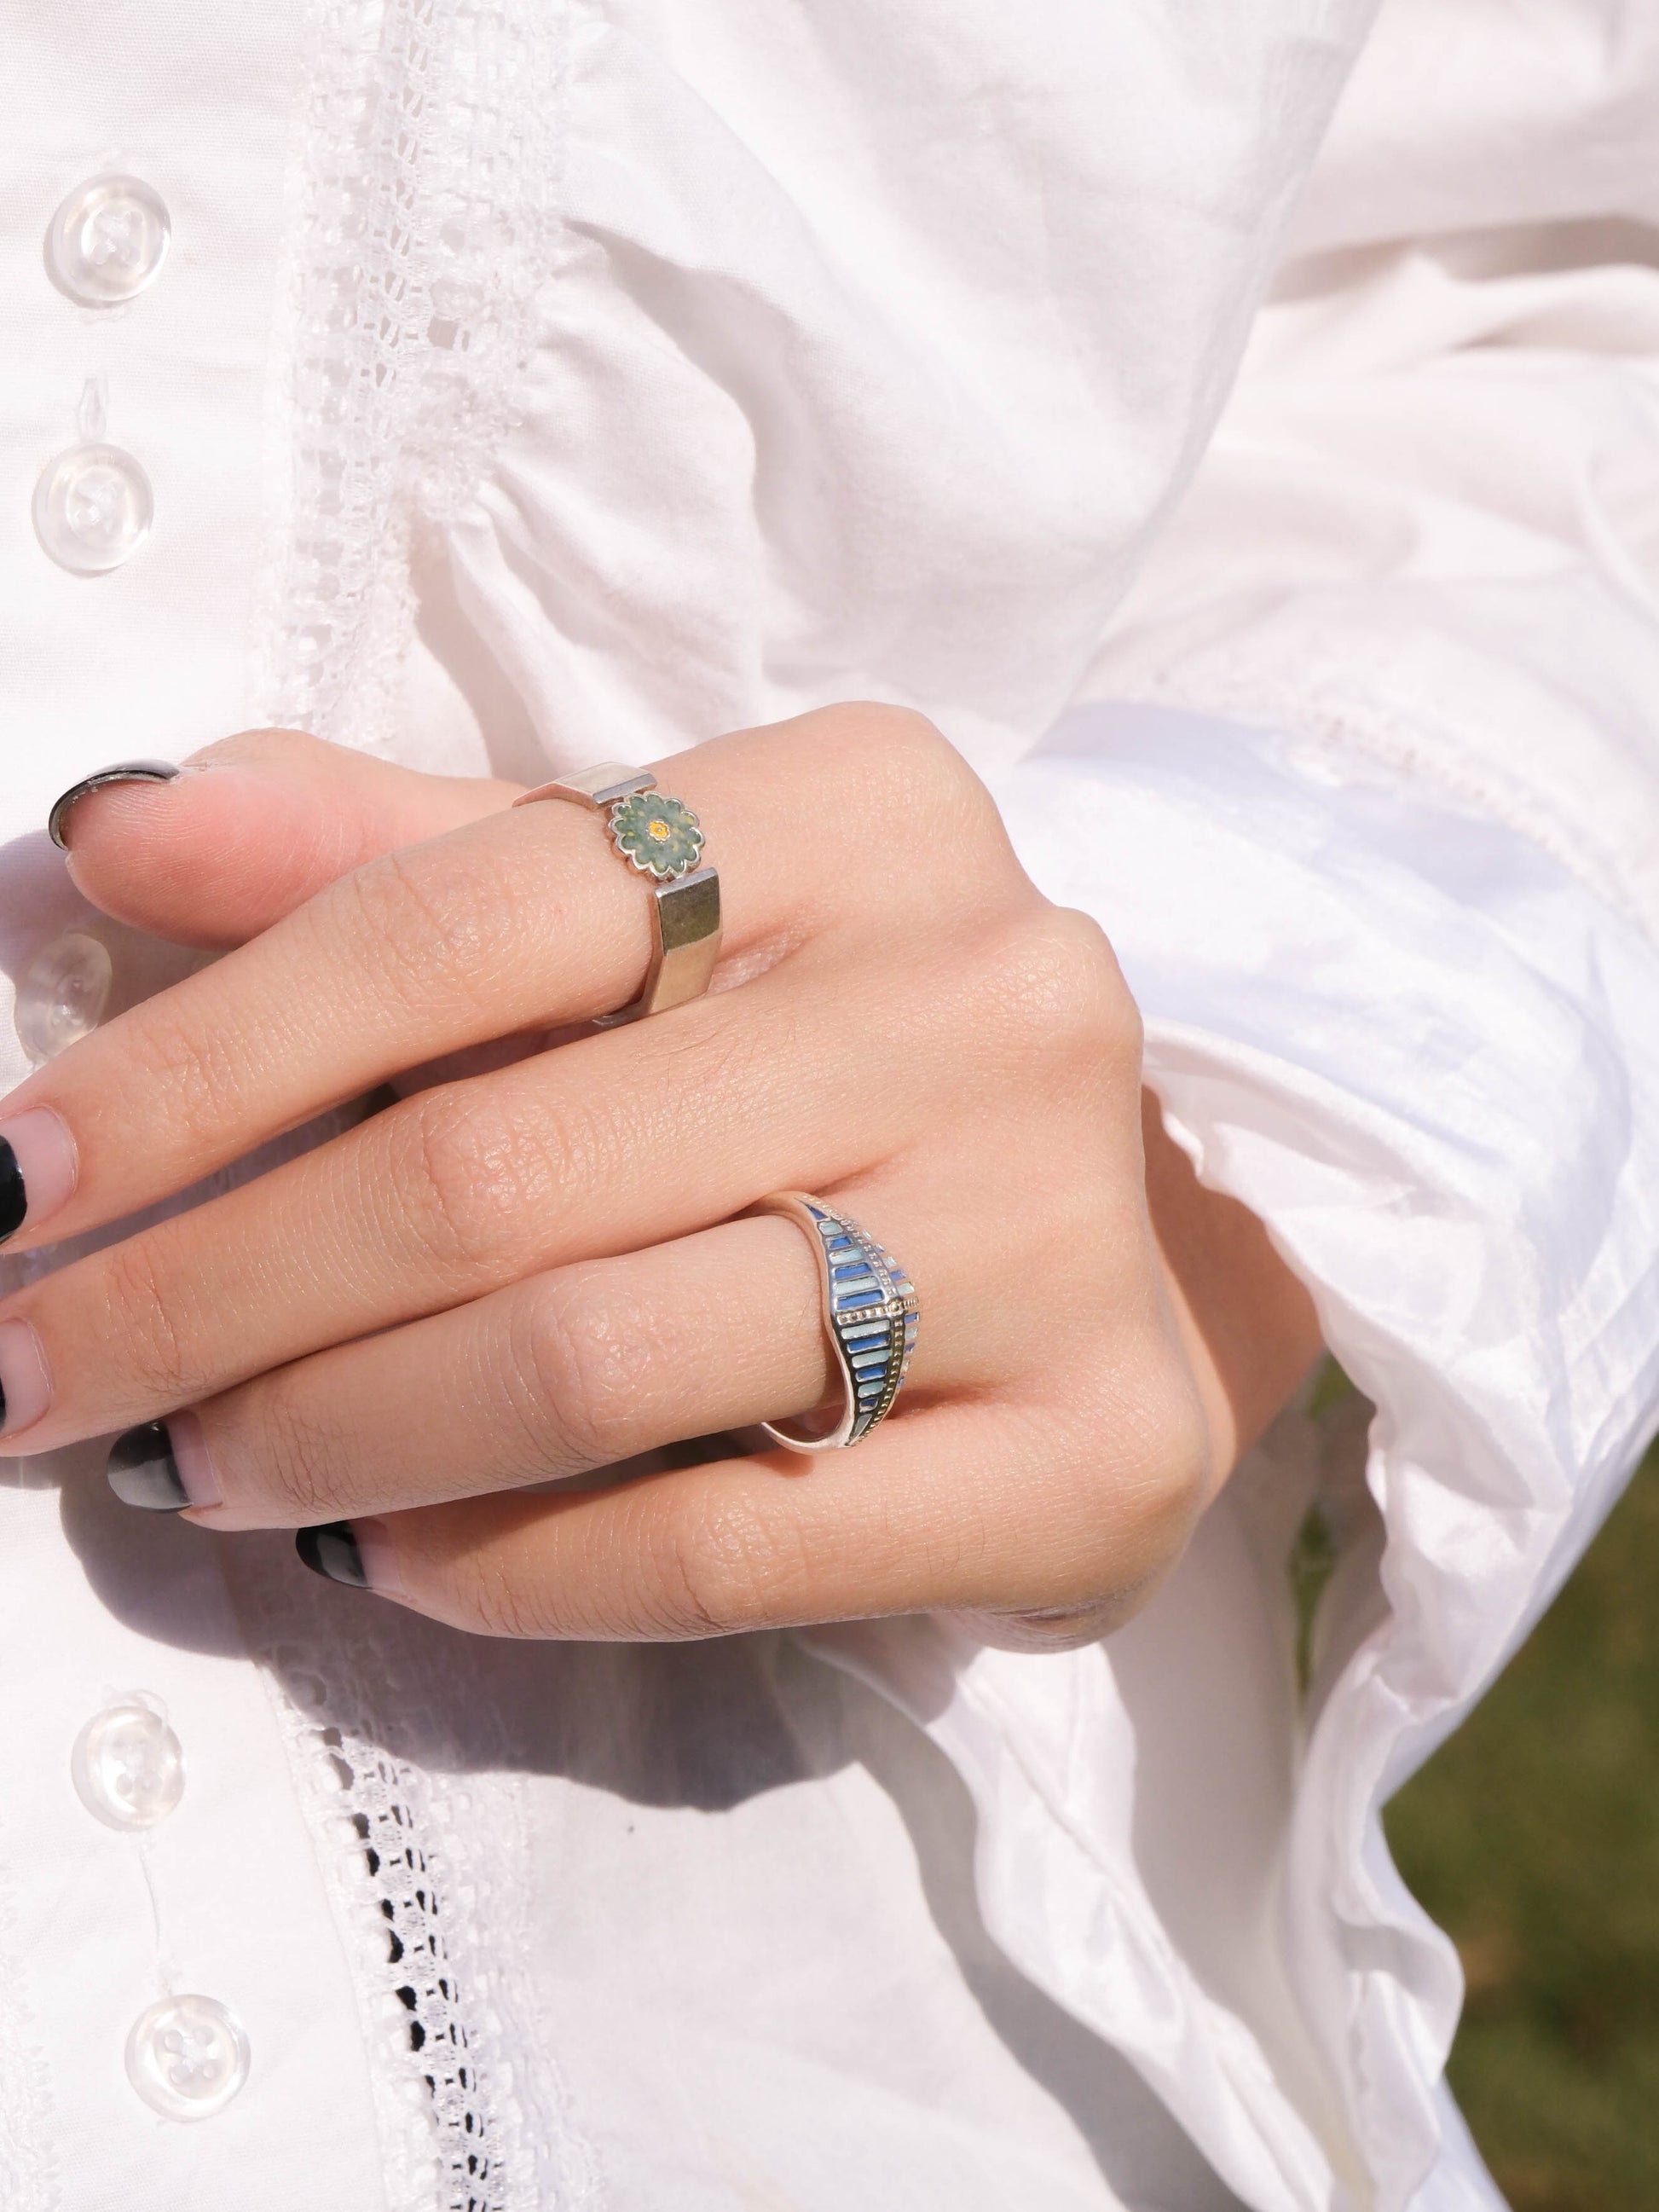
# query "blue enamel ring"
(869, 1316)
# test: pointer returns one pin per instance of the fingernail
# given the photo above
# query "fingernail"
(161, 1467)
(25, 1382)
(139, 771)
(357, 1552)
(37, 1170)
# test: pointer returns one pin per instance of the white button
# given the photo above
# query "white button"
(188, 2056)
(128, 1766)
(93, 508)
(63, 995)
(108, 240)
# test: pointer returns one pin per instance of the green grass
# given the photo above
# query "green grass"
(1533, 1836)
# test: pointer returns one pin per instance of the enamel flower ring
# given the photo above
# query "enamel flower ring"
(661, 838)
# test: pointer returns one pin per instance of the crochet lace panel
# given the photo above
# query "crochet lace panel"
(426, 190)
(427, 2036)
(424, 1870)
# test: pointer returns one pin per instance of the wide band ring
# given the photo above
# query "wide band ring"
(870, 1315)
(661, 838)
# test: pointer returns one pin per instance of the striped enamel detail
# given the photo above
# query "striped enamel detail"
(872, 1314)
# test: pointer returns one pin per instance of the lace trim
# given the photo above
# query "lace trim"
(375, 1803)
(426, 186)
(419, 1868)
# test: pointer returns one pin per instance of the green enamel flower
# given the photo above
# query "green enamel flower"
(660, 836)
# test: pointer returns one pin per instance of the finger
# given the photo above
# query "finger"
(523, 920)
(611, 1145)
(953, 1507)
(572, 1370)
(251, 828)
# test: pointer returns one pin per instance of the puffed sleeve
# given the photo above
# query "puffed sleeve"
(1368, 799)
(872, 345)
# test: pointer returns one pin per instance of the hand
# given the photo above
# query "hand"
(537, 1271)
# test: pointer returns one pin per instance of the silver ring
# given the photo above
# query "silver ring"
(661, 838)
(870, 1315)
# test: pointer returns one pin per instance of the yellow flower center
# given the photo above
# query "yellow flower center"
(658, 830)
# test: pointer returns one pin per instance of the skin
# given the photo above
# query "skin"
(543, 1269)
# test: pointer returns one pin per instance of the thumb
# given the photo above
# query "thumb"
(249, 830)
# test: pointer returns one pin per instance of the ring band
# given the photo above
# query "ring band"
(660, 837)
(870, 1314)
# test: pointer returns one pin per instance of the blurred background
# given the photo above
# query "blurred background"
(1533, 1836)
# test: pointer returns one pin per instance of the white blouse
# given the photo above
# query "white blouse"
(508, 382)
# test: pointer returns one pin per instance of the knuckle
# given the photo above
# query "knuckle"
(575, 1359)
(150, 1324)
(488, 1597)
(915, 745)
(195, 1071)
(879, 765)
(420, 922)
(1128, 1469)
(718, 1569)
(663, 1564)
(297, 1458)
(1158, 1476)
(465, 1185)
(888, 731)
(1054, 983)
(897, 753)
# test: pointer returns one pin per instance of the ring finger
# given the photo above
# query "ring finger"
(572, 1370)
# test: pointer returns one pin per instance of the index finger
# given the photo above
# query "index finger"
(521, 921)
(524, 921)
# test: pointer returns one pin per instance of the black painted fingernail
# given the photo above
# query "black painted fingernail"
(331, 1550)
(139, 771)
(14, 1198)
(144, 1472)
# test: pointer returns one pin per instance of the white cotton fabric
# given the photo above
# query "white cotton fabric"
(527, 384)
(1445, 1110)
